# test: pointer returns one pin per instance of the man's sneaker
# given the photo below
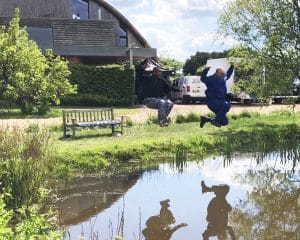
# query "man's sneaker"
(203, 120)
(163, 123)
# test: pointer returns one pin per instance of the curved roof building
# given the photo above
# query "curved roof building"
(86, 31)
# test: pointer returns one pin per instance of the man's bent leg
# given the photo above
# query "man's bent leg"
(221, 112)
(214, 106)
(162, 112)
(169, 107)
(157, 103)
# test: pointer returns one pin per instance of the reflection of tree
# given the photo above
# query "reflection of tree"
(272, 210)
(160, 227)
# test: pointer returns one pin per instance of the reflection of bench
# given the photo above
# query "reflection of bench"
(88, 118)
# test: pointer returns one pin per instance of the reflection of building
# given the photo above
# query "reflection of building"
(86, 197)
(87, 31)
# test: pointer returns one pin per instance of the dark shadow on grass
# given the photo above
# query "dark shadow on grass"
(90, 136)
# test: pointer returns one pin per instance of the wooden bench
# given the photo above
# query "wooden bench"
(88, 118)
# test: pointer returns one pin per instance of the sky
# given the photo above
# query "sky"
(177, 28)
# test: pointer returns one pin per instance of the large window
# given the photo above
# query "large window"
(80, 9)
(123, 37)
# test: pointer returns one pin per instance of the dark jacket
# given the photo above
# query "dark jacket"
(154, 87)
(216, 88)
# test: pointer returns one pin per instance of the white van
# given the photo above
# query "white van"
(192, 89)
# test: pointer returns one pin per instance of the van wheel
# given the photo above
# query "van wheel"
(277, 100)
(247, 101)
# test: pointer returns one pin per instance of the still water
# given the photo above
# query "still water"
(241, 199)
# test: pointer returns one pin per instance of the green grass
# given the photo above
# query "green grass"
(94, 151)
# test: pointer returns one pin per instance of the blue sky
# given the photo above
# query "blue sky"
(177, 28)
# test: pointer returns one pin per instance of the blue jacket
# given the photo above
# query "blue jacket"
(216, 88)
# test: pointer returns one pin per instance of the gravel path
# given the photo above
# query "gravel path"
(144, 113)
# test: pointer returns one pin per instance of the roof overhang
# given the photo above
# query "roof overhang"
(104, 52)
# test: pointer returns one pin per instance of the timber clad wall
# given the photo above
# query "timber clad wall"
(85, 33)
(76, 32)
(36, 8)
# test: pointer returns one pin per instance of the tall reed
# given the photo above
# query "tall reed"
(25, 159)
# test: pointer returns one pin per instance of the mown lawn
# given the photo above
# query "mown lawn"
(93, 151)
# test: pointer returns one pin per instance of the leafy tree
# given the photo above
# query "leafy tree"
(27, 77)
(170, 63)
(192, 65)
(269, 33)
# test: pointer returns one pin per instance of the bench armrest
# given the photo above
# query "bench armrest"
(122, 122)
(122, 117)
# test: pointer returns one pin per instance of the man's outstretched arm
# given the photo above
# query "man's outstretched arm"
(204, 74)
(229, 71)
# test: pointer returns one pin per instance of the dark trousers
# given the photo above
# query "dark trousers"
(164, 106)
(220, 107)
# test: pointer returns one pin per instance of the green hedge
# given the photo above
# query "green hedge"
(102, 85)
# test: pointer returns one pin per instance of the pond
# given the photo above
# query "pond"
(249, 197)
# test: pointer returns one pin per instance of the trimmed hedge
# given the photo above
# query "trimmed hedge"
(108, 85)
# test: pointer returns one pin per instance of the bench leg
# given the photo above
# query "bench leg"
(73, 127)
(112, 129)
(122, 124)
(73, 131)
(65, 131)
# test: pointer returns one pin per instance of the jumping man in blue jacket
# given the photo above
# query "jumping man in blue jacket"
(216, 96)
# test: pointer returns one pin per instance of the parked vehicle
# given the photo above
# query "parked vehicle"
(193, 89)
(292, 96)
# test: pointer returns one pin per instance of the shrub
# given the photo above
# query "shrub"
(129, 122)
(152, 120)
(191, 117)
(180, 118)
(102, 85)
(243, 114)
(31, 224)
(28, 78)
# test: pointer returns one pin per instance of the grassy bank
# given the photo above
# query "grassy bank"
(144, 144)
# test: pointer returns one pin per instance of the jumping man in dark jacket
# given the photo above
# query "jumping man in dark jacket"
(154, 91)
(216, 96)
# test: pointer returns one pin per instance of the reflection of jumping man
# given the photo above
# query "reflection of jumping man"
(217, 213)
(216, 96)
(160, 227)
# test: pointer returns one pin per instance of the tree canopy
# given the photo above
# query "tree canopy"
(269, 33)
(196, 61)
(170, 63)
(28, 78)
